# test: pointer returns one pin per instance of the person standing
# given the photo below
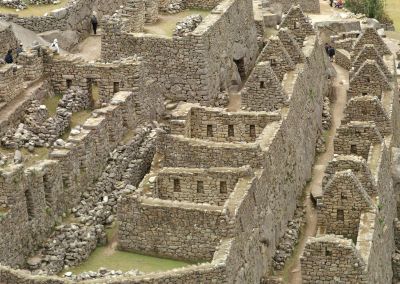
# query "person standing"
(19, 49)
(94, 22)
(331, 53)
(9, 58)
(331, 3)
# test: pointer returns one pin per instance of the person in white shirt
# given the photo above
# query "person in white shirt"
(54, 46)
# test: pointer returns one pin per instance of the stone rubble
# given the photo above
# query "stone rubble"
(187, 25)
(101, 273)
(289, 240)
(70, 244)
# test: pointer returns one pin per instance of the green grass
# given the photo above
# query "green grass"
(110, 258)
(167, 23)
(34, 10)
(51, 103)
(125, 261)
(393, 10)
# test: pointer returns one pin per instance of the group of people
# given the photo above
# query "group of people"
(338, 4)
(9, 59)
(330, 50)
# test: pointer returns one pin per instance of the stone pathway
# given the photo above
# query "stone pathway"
(314, 188)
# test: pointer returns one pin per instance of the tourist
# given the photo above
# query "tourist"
(19, 49)
(9, 58)
(331, 3)
(327, 46)
(331, 53)
(94, 22)
(54, 46)
(339, 4)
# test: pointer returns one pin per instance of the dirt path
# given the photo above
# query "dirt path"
(315, 186)
(90, 48)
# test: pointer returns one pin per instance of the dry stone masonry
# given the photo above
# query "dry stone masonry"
(195, 146)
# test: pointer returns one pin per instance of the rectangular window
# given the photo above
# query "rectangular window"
(353, 149)
(340, 215)
(177, 185)
(222, 187)
(252, 131)
(116, 87)
(209, 131)
(69, 83)
(273, 62)
(328, 252)
(262, 85)
(29, 204)
(364, 94)
(231, 131)
(200, 186)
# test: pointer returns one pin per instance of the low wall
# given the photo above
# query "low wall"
(342, 58)
(74, 16)
(11, 82)
(172, 229)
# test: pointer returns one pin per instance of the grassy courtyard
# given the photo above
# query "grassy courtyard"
(34, 10)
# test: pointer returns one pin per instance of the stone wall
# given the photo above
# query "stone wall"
(195, 67)
(172, 229)
(336, 252)
(356, 138)
(198, 185)
(74, 16)
(368, 108)
(371, 36)
(220, 126)
(368, 80)
(65, 71)
(298, 24)
(344, 200)
(7, 39)
(11, 82)
(342, 58)
(263, 90)
(35, 201)
(308, 6)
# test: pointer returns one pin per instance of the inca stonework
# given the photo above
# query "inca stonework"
(196, 144)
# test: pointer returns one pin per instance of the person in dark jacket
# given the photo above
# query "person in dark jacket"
(94, 22)
(331, 53)
(327, 48)
(9, 58)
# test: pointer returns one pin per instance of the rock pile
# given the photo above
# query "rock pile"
(289, 240)
(37, 129)
(101, 273)
(187, 25)
(75, 99)
(71, 244)
(176, 7)
(326, 114)
(16, 4)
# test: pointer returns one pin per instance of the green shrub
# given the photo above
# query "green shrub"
(371, 8)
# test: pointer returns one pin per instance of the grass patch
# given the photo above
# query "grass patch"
(167, 23)
(392, 8)
(125, 261)
(34, 10)
(52, 103)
